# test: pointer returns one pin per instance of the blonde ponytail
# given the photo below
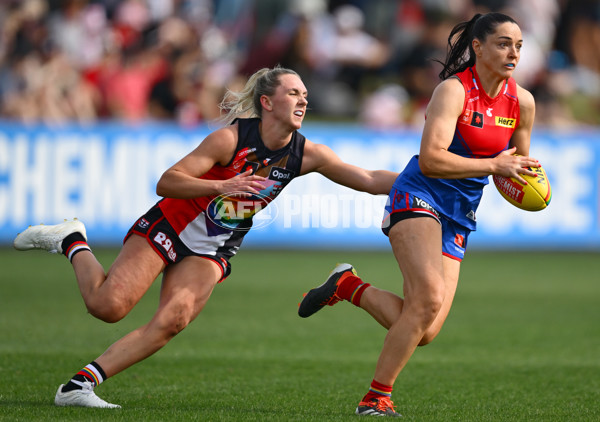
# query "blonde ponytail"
(246, 103)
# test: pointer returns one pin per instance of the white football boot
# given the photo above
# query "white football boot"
(82, 398)
(47, 237)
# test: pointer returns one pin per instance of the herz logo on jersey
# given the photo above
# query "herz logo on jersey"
(505, 122)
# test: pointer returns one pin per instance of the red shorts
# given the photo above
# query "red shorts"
(164, 240)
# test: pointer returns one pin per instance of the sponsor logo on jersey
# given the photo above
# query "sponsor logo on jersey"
(471, 118)
(465, 118)
(505, 122)
(281, 174)
(459, 240)
(471, 215)
(477, 119)
(250, 165)
(243, 152)
(143, 223)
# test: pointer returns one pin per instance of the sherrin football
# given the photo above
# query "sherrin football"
(534, 196)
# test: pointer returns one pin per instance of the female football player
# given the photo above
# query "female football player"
(476, 121)
(186, 236)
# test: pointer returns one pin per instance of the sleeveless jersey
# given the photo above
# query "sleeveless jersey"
(217, 224)
(483, 130)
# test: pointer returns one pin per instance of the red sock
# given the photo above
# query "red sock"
(351, 288)
(378, 390)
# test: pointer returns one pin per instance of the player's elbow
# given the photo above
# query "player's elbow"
(160, 191)
(375, 190)
(428, 168)
(162, 187)
(380, 182)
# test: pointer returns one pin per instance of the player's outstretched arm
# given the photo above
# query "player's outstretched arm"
(321, 159)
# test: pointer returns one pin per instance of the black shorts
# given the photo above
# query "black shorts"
(164, 240)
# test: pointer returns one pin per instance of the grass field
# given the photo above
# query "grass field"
(522, 343)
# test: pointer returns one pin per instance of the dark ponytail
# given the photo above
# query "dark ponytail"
(460, 42)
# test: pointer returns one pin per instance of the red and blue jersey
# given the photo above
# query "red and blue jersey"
(483, 130)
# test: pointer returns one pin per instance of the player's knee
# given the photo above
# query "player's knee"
(173, 322)
(175, 326)
(428, 308)
(428, 337)
(106, 315)
(109, 310)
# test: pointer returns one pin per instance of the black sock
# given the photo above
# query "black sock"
(74, 243)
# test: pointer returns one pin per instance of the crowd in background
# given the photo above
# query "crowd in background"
(368, 61)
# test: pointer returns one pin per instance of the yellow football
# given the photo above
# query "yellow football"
(534, 196)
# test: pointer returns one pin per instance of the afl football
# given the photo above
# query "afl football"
(534, 196)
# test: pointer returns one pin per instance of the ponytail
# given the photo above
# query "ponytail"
(460, 54)
(246, 103)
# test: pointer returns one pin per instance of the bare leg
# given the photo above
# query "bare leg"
(451, 273)
(386, 307)
(417, 247)
(111, 296)
(185, 290)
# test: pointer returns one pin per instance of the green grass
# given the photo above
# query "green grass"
(522, 343)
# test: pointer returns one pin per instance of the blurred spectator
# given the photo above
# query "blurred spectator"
(573, 76)
(83, 60)
(385, 108)
(79, 31)
(39, 83)
(338, 55)
(127, 89)
(418, 70)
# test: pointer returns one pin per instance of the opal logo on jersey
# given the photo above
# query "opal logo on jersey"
(278, 173)
(236, 211)
(505, 122)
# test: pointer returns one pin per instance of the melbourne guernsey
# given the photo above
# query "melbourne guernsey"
(483, 130)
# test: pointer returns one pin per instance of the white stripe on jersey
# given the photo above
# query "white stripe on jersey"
(195, 236)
